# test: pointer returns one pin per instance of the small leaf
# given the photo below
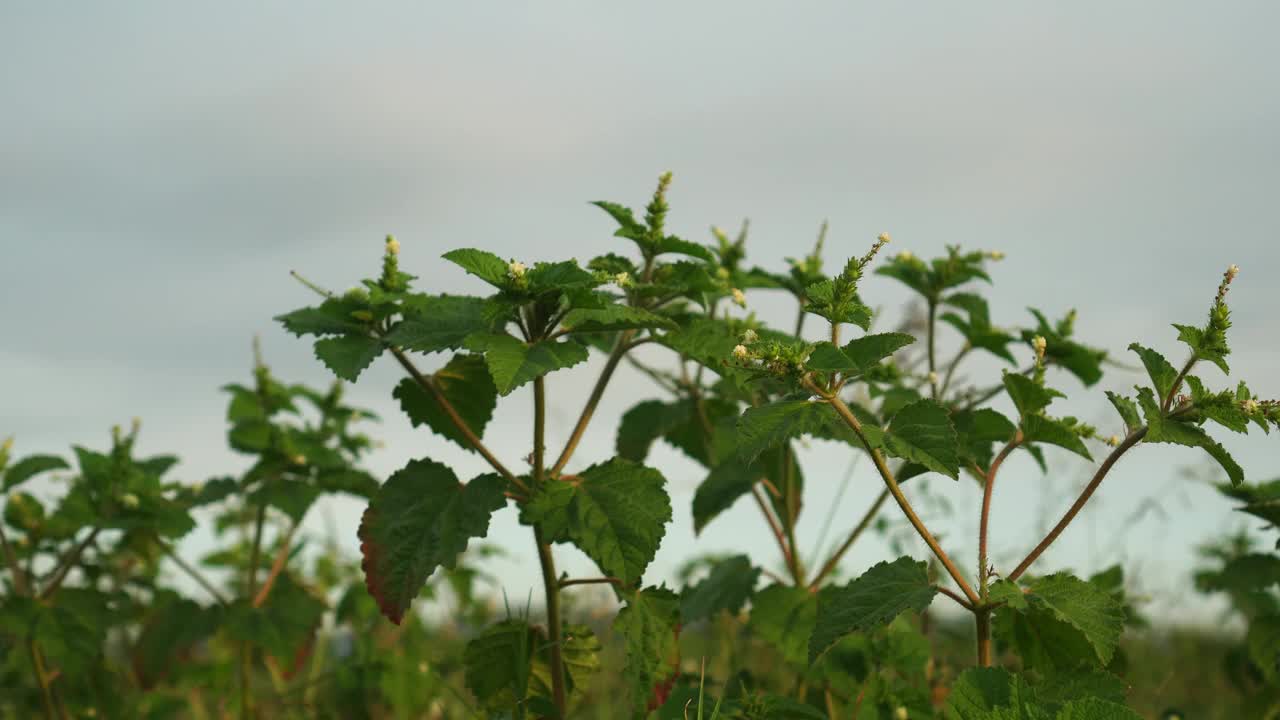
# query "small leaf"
(979, 692)
(1041, 429)
(767, 426)
(483, 264)
(1028, 396)
(784, 616)
(466, 384)
(922, 432)
(499, 663)
(1161, 429)
(673, 244)
(616, 513)
(728, 587)
(348, 355)
(332, 317)
(1161, 372)
(1128, 410)
(512, 363)
(30, 466)
(1092, 611)
(614, 317)
(873, 599)
(422, 518)
(859, 355)
(433, 323)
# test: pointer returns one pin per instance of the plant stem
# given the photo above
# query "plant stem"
(982, 623)
(896, 491)
(246, 648)
(987, 489)
(67, 563)
(933, 374)
(539, 429)
(552, 589)
(1134, 438)
(590, 581)
(42, 677)
(861, 527)
(195, 574)
(474, 440)
(277, 566)
(620, 349)
(951, 369)
(952, 594)
(791, 502)
(778, 534)
(15, 568)
(1177, 383)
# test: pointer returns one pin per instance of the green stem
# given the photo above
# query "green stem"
(791, 502)
(620, 349)
(42, 677)
(551, 587)
(988, 487)
(67, 563)
(933, 374)
(982, 623)
(246, 648)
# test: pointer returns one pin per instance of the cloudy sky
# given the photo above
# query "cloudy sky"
(163, 167)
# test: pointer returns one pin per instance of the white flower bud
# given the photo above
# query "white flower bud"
(749, 336)
(299, 459)
(901, 713)
(1250, 406)
(516, 269)
(623, 280)
(1040, 344)
(740, 352)
(129, 500)
(739, 298)
(884, 237)
(1113, 441)
(1232, 272)
(393, 245)
(996, 255)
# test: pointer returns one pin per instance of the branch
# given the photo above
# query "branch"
(951, 594)
(620, 349)
(430, 386)
(892, 484)
(192, 572)
(987, 488)
(277, 566)
(773, 525)
(15, 568)
(863, 524)
(590, 581)
(66, 564)
(1134, 438)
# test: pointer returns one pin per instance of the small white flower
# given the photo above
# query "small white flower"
(749, 336)
(1040, 344)
(1250, 406)
(129, 500)
(996, 255)
(906, 256)
(884, 237)
(393, 245)
(739, 298)
(1232, 272)
(516, 269)
(623, 280)
(1113, 441)
(740, 352)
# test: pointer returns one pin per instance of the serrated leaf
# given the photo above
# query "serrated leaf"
(771, 425)
(726, 482)
(284, 626)
(30, 466)
(348, 355)
(1028, 396)
(1194, 337)
(1041, 429)
(467, 386)
(1128, 410)
(499, 663)
(629, 227)
(858, 355)
(727, 587)
(1161, 372)
(421, 518)
(644, 423)
(481, 263)
(614, 317)
(871, 600)
(1161, 429)
(1092, 611)
(649, 625)
(512, 363)
(615, 512)
(922, 432)
(1059, 688)
(433, 323)
(976, 432)
(982, 692)
(673, 244)
(331, 317)
(784, 617)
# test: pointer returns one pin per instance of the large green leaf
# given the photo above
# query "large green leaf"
(1090, 610)
(499, 663)
(985, 693)
(438, 322)
(512, 363)
(348, 355)
(871, 600)
(922, 432)
(615, 512)
(1041, 429)
(1028, 396)
(332, 317)
(614, 317)
(1161, 372)
(481, 263)
(768, 426)
(858, 355)
(467, 386)
(728, 587)
(422, 518)
(649, 625)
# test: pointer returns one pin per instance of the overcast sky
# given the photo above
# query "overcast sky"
(163, 167)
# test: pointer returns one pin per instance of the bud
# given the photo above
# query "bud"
(739, 298)
(996, 255)
(422, 667)
(516, 270)
(129, 500)
(1113, 441)
(884, 237)
(906, 256)
(393, 245)
(722, 273)
(749, 336)
(1250, 406)
(933, 378)
(1040, 344)
(623, 280)
(1232, 272)
(740, 352)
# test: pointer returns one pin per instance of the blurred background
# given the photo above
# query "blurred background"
(164, 167)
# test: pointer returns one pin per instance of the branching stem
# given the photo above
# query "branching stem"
(832, 562)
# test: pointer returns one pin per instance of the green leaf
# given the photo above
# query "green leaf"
(768, 426)
(615, 512)
(1264, 645)
(348, 355)
(1161, 372)
(1128, 410)
(284, 626)
(629, 227)
(172, 627)
(678, 246)
(981, 693)
(512, 363)
(466, 385)
(1214, 352)
(1060, 688)
(1028, 396)
(784, 616)
(650, 627)
(30, 466)
(422, 518)
(858, 355)
(922, 432)
(483, 264)
(1161, 429)
(332, 317)
(433, 323)
(499, 663)
(1041, 429)
(977, 430)
(614, 317)
(872, 600)
(726, 482)
(644, 423)
(1092, 611)
(728, 587)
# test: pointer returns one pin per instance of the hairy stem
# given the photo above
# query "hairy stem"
(590, 581)
(832, 562)
(892, 484)
(933, 374)
(954, 596)
(778, 534)
(246, 648)
(1177, 383)
(47, 700)
(277, 566)
(982, 624)
(552, 589)
(620, 349)
(791, 502)
(1134, 438)
(539, 429)
(987, 489)
(430, 386)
